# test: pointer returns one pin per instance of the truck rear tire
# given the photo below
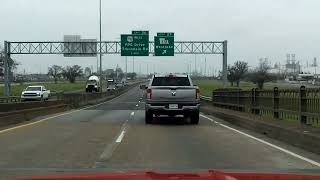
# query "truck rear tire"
(148, 117)
(194, 117)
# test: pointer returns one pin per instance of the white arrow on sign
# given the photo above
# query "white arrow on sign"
(164, 52)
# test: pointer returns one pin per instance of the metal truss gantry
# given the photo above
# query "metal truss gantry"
(107, 47)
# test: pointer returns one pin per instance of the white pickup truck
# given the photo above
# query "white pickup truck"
(172, 95)
(35, 93)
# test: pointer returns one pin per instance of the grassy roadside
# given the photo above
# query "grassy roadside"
(207, 86)
(60, 86)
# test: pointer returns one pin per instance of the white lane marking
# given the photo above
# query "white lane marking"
(37, 122)
(209, 119)
(66, 113)
(132, 114)
(267, 143)
(110, 148)
(120, 137)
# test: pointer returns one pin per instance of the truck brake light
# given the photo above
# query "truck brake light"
(197, 93)
(149, 93)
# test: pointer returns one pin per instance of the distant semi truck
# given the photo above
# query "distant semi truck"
(93, 84)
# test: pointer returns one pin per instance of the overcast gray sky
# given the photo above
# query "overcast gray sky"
(253, 28)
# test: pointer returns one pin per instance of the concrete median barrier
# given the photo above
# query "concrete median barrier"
(76, 100)
(27, 105)
(15, 113)
(15, 117)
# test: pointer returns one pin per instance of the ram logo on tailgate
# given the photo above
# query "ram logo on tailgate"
(173, 93)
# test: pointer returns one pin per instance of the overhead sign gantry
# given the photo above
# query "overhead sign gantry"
(164, 45)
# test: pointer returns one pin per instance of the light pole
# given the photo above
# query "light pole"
(195, 64)
(126, 67)
(97, 64)
(100, 49)
(147, 69)
(205, 66)
(133, 64)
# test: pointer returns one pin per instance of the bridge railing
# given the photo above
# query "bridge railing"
(295, 105)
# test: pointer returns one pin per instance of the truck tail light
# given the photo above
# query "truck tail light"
(149, 93)
(197, 93)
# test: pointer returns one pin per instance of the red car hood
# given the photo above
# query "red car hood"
(210, 175)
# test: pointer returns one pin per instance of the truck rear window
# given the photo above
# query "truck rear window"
(170, 81)
(33, 89)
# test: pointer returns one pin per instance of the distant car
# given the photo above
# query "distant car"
(35, 93)
(172, 95)
(111, 85)
(119, 85)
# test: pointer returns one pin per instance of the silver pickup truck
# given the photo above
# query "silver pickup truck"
(172, 95)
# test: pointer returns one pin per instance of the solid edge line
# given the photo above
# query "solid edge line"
(269, 144)
(120, 137)
(51, 117)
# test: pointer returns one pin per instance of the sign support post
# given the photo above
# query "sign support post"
(225, 63)
(7, 69)
(101, 80)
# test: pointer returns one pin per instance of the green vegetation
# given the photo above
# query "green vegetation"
(207, 86)
(60, 86)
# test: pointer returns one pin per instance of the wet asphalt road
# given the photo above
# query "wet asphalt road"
(113, 137)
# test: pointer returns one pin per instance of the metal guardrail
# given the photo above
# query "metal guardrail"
(206, 98)
(11, 99)
(17, 99)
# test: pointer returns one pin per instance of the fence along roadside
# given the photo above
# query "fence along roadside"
(302, 105)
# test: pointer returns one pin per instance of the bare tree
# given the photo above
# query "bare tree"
(132, 75)
(240, 69)
(71, 73)
(56, 72)
(231, 75)
(87, 72)
(12, 63)
(261, 74)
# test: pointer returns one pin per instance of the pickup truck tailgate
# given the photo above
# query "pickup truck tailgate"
(174, 94)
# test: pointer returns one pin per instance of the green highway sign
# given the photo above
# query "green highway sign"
(164, 45)
(141, 32)
(165, 34)
(134, 45)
